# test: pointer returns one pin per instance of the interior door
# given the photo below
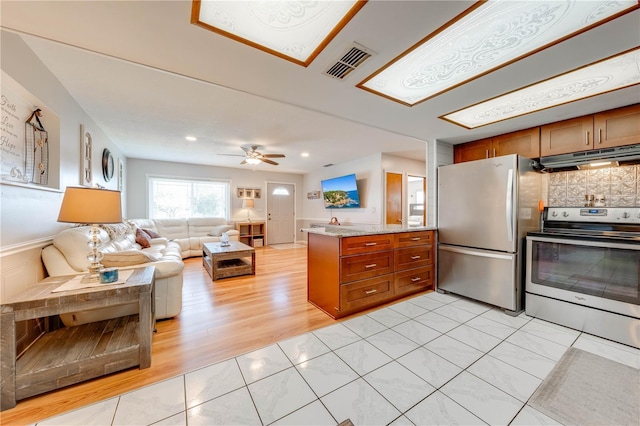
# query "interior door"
(393, 197)
(280, 213)
(416, 192)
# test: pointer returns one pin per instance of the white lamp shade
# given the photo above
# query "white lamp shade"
(90, 205)
(247, 204)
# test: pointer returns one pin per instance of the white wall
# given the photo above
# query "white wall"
(29, 215)
(393, 164)
(438, 154)
(368, 171)
(138, 170)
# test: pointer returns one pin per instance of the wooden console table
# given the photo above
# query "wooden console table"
(71, 355)
(228, 261)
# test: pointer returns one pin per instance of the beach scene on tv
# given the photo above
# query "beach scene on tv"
(341, 192)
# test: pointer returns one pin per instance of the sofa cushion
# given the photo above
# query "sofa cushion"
(172, 229)
(202, 226)
(218, 230)
(143, 223)
(72, 243)
(128, 258)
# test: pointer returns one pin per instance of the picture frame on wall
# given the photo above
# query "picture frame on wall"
(86, 174)
(248, 193)
(256, 193)
(120, 174)
(240, 193)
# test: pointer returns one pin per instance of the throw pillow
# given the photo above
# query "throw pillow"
(127, 258)
(151, 233)
(219, 230)
(143, 238)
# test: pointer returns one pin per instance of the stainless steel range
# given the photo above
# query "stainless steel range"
(583, 271)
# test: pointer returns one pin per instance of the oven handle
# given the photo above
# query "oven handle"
(569, 240)
(509, 206)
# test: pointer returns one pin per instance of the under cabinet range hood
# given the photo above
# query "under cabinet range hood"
(595, 158)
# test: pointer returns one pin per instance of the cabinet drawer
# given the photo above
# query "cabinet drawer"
(364, 293)
(366, 244)
(408, 239)
(414, 280)
(354, 268)
(413, 257)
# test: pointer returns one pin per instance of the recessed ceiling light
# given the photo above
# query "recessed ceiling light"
(293, 30)
(305, 154)
(607, 75)
(487, 36)
(191, 138)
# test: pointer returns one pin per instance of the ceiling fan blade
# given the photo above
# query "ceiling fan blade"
(234, 155)
(244, 162)
(272, 155)
(264, 160)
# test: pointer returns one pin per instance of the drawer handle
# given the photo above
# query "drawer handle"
(371, 291)
(372, 265)
(416, 279)
(370, 244)
(415, 239)
(415, 257)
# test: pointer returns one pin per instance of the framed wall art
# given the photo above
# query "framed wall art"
(86, 174)
(28, 131)
(120, 174)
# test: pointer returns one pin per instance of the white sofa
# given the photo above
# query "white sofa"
(189, 233)
(179, 238)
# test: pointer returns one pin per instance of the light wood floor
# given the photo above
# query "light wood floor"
(218, 321)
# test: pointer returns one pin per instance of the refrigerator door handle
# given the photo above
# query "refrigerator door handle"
(475, 252)
(509, 206)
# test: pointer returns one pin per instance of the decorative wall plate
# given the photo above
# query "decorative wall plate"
(108, 166)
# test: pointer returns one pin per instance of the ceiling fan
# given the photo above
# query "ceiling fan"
(252, 156)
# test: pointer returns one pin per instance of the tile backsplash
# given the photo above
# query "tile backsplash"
(619, 185)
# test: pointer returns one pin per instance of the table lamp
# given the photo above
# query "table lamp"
(247, 203)
(91, 206)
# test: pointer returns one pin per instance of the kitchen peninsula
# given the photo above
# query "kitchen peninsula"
(351, 269)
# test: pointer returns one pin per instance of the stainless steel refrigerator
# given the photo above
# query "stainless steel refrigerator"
(485, 209)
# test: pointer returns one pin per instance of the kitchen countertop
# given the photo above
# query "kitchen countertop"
(340, 231)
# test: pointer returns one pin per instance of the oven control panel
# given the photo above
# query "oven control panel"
(594, 214)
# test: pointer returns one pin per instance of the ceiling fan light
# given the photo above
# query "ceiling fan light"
(253, 161)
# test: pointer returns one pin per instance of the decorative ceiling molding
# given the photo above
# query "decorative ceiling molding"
(487, 36)
(616, 72)
(293, 30)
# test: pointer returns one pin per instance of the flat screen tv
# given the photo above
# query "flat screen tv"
(341, 192)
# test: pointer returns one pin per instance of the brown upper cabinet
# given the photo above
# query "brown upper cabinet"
(602, 130)
(617, 127)
(523, 142)
(606, 129)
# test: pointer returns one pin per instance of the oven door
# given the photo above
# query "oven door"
(601, 275)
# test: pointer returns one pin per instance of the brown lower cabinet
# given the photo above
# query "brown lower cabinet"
(347, 275)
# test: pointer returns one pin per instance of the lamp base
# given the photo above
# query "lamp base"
(91, 278)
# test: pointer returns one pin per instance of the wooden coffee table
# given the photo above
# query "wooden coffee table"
(228, 261)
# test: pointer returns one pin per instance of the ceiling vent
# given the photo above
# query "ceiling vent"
(352, 57)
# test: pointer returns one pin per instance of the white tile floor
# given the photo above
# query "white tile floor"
(434, 359)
